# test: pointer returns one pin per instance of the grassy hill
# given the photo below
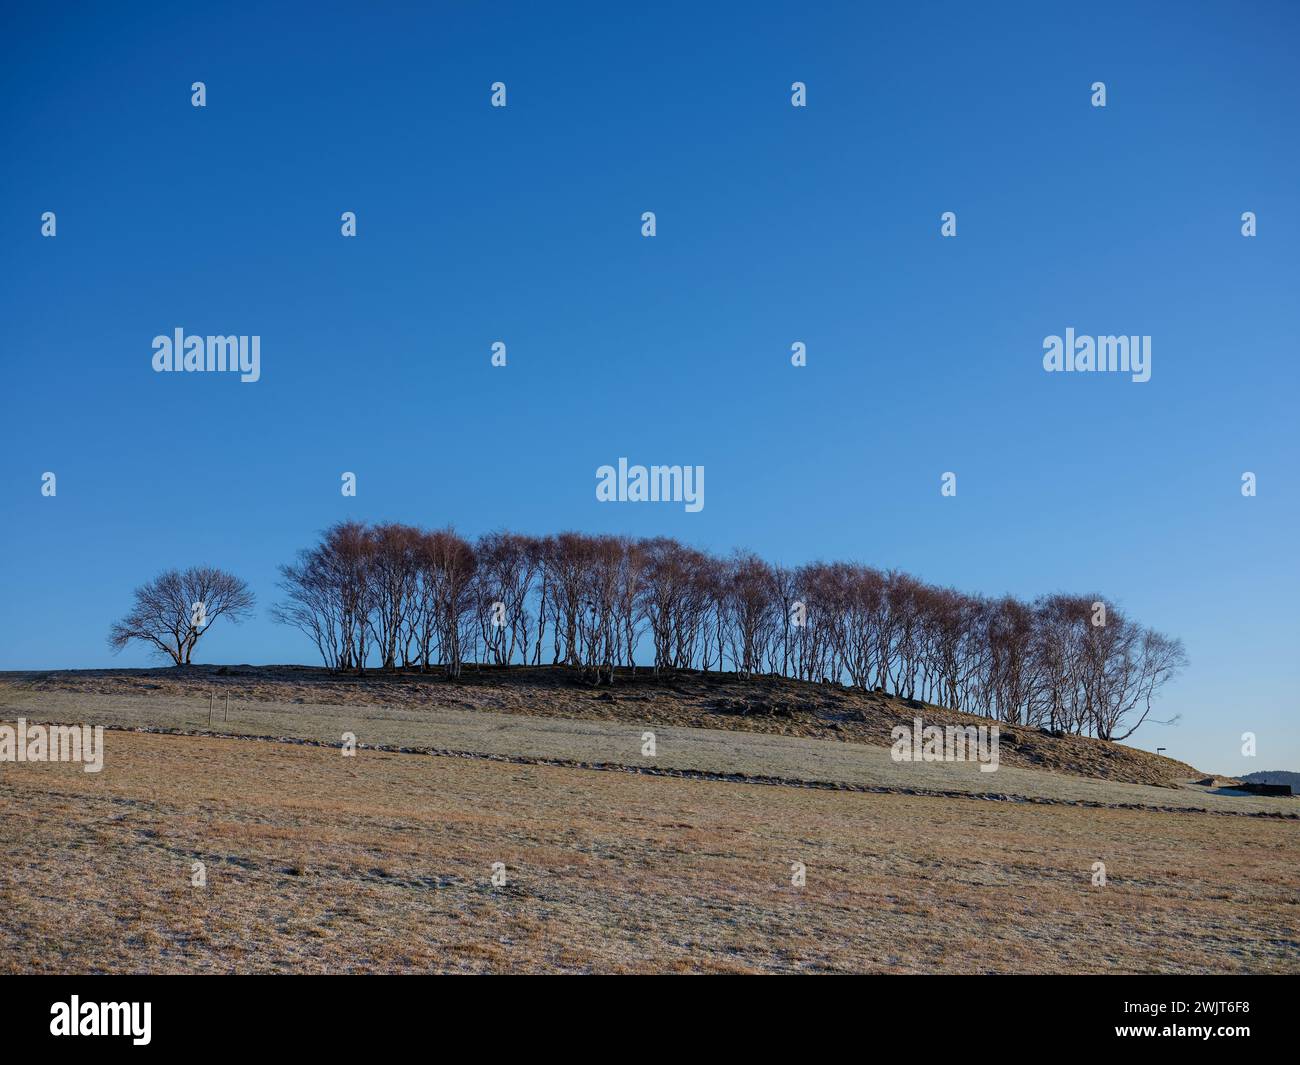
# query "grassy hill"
(769, 705)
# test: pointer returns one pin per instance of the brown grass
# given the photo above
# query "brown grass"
(321, 863)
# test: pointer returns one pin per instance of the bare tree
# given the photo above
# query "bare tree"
(174, 609)
(447, 565)
(312, 605)
(393, 573)
(749, 612)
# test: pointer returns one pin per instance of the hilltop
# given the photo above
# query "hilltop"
(689, 699)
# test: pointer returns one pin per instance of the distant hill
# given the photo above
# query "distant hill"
(1274, 776)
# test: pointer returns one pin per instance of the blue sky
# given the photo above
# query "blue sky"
(775, 225)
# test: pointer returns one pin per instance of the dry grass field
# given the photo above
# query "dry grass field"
(382, 862)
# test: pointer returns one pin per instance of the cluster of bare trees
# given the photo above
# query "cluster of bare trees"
(401, 597)
(389, 594)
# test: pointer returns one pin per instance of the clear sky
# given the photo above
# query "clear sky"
(775, 224)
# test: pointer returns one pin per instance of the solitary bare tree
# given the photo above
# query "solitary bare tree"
(174, 609)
